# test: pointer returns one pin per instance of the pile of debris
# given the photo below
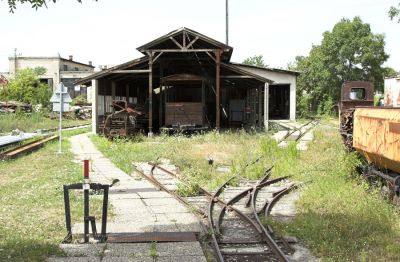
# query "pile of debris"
(12, 106)
(82, 112)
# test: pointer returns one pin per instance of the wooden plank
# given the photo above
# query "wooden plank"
(183, 113)
(176, 42)
(192, 42)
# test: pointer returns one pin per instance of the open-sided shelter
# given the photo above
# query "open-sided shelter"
(185, 80)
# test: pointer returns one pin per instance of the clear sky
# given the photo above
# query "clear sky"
(108, 31)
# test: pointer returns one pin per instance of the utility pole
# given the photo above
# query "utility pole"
(227, 21)
(15, 61)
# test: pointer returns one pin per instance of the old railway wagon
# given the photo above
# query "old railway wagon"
(373, 131)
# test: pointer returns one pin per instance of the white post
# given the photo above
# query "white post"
(266, 105)
(61, 111)
(95, 94)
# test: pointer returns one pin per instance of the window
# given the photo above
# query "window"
(65, 68)
(357, 93)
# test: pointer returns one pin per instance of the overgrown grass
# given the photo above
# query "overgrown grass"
(30, 122)
(32, 222)
(339, 217)
(191, 154)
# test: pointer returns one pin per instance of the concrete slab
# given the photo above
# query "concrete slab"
(181, 248)
(128, 259)
(134, 250)
(83, 250)
(73, 259)
(182, 259)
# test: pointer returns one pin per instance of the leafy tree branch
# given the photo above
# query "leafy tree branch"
(12, 4)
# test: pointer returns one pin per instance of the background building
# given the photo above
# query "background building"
(186, 79)
(58, 70)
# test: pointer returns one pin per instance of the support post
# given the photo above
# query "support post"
(67, 212)
(127, 93)
(113, 87)
(86, 200)
(260, 107)
(227, 21)
(95, 110)
(61, 111)
(160, 109)
(266, 106)
(150, 94)
(104, 215)
(217, 91)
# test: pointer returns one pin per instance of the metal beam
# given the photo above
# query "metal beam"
(138, 71)
(234, 76)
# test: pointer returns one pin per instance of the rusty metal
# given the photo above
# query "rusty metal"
(152, 237)
(27, 148)
(123, 120)
(278, 196)
(211, 225)
(240, 196)
(157, 184)
(271, 243)
(215, 199)
(257, 226)
(348, 103)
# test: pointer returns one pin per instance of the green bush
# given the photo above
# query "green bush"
(26, 87)
(79, 100)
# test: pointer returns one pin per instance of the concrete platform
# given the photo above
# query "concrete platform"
(138, 207)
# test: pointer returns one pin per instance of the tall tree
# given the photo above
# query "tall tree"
(257, 60)
(349, 52)
(12, 4)
(394, 12)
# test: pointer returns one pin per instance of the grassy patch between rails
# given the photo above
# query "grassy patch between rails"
(339, 218)
(191, 154)
(30, 122)
(32, 222)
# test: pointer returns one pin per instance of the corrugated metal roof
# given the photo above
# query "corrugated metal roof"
(269, 69)
(109, 71)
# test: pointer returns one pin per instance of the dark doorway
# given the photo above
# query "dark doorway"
(279, 101)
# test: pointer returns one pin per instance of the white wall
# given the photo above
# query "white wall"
(278, 78)
(392, 92)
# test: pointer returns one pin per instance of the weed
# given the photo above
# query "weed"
(30, 122)
(153, 250)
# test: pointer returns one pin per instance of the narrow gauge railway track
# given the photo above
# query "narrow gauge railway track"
(14, 152)
(241, 237)
(300, 131)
